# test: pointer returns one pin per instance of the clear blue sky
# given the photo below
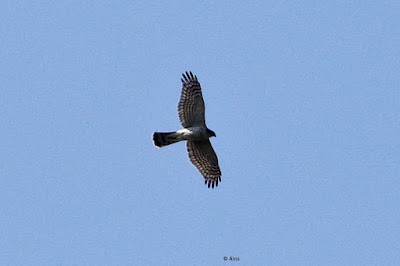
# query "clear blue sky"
(304, 97)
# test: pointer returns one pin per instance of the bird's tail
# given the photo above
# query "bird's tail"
(162, 139)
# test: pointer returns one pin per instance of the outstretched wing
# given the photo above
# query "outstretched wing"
(203, 156)
(191, 105)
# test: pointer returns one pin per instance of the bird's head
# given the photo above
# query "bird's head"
(211, 133)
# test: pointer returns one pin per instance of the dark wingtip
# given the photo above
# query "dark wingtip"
(188, 76)
(211, 183)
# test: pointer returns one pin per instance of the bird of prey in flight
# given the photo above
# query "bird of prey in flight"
(191, 112)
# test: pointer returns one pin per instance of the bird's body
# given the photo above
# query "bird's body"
(191, 112)
(162, 139)
(195, 133)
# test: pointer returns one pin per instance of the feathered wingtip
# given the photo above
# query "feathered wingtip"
(188, 77)
(211, 183)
